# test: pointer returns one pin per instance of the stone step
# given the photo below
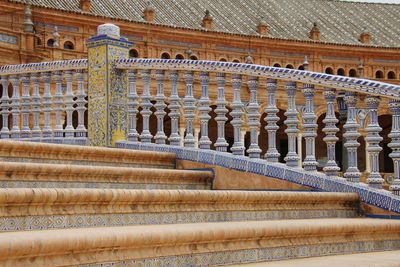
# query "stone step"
(200, 244)
(373, 259)
(14, 151)
(45, 208)
(43, 175)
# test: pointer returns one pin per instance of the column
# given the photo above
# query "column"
(133, 105)
(373, 139)
(394, 106)
(58, 107)
(160, 106)
(69, 105)
(81, 107)
(5, 105)
(36, 107)
(331, 168)
(25, 130)
(310, 128)
(189, 104)
(15, 110)
(221, 110)
(145, 136)
(271, 119)
(47, 131)
(253, 115)
(237, 116)
(174, 139)
(291, 122)
(351, 126)
(204, 109)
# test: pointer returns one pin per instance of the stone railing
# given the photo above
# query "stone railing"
(44, 101)
(217, 81)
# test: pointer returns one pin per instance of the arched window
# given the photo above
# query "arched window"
(133, 53)
(289, 66)
(353, 73)
(222, 59)
(236, 61)
(329, 71)
(68, 45)
(277, 65)
(391, 75)
(38, 41)
(165, 55)
(179, 56)
(301, 67)
(340, 72)
(193, 58)
(379, 74)
(50, 43)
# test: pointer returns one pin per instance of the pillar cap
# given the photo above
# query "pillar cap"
(109, 29)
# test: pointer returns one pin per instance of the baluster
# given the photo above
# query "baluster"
(174, 139)
(25, 131)
(271, 119)
(253, 115)
(69, 105)
(58, 107)
(204, 109)
(5, 105)
(189, 103)
(237, 116)
(146, 136)
(352, 173)
(373, 139)
(331, 168)
(221, 110)
(80, 105)
(47, 130)
(291, 122)
(394, 106)
(133, 105)
(310, 128)
(36, 106)
(15, 110)
(160, 108)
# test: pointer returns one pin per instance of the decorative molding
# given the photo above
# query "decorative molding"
(10, 39)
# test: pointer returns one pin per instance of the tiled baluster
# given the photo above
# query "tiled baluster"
(133, 105)
(146, 136)
(36, 107)
(80, 105)
(58, 107)
(271, 119)
(25, 130)
(351, 126)
(69, 105)
(394, 106)
(221, 110)
(174, 139)
(373, 139)
(204, 109)
(237, 116)
(47, 103)
(253, 115)
(291, 122)
(15, 107)
(189, 103)
(310, 128)
(331, 168)
(160, 106)
(5, 106)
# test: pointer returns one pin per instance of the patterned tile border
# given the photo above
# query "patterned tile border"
(256, 255)
(379, 198)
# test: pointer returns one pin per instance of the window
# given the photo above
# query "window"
(329, 71)
(289, 66)
(391, 75)
(301, 67)
(353, 73)
(193, 58)
(50, 43)
(68, 45)
(222, 59)
(236, 61)
(165, 56)
(277, 65)
(179, 56)
(379, 74)
(340, 72)
(133, 53)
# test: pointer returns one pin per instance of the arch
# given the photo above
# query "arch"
(301, 67)
(133, 53)
(165, 55)
(277, 65)
(329, 70)
(353, 73)
(50, 43)
(193, 57)
(289, 66)
(179, 56)
(223, 59)
(379, 74)
(236, 60)
(68, 45)
(391, 75)
(340, 72)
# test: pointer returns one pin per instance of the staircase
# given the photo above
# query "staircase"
(85, 206)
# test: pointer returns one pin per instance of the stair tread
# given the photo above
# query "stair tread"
(372, 259)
